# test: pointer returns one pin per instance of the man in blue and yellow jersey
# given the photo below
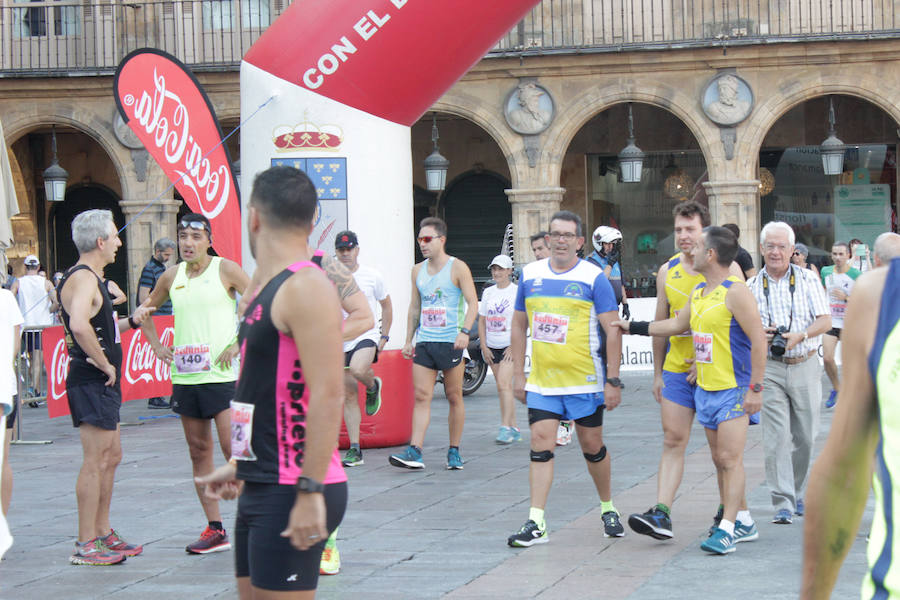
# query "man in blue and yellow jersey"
(729, 349)
(674, 380)
(562, 298)
(866, 424)
(442, 324)
(203, 291)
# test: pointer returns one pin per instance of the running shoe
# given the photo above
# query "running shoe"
(832, 399)
(211, 540)
(654, 523)
(331, 561)
(720, 542)
(529, 535)
(373, 399)
(783, 517)
(352, 458)
(410, 459)
(158, 404)
(117, 544)
(95, 554)
(454, 462)
(612, 527)
(800, 508)
(507, 435)
(716, 520)
(745, 533)
(563, 434)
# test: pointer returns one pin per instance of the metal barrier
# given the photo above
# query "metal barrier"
(31, 380)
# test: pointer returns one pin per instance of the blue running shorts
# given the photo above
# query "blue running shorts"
(677, 389)
(569, 406)
(717, 407)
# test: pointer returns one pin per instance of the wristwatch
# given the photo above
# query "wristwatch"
(615, 382)
(756, 387)
(309, 486)
(385, 337)
(468, 332)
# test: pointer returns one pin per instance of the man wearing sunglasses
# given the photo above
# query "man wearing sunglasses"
(442, 327)
(203, 292)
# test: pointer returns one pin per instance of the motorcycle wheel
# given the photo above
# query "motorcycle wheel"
(473, 376)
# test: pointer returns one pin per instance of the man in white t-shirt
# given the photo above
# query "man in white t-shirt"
(838, 280)
(363, 351)
(494, 330)
(36, 303)
(10, 337)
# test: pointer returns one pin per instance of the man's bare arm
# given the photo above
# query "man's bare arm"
(467, 285)
(51, 293)
(158, 297)
(662, 312)
(840, 479)
(341, 277)
(387, 317)
(233, 277)
(415, 307)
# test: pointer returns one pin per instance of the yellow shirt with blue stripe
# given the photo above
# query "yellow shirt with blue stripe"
(721, 349)
(883, 578)
(562, 311)
(679, 285)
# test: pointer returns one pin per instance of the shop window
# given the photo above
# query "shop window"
(643, 211)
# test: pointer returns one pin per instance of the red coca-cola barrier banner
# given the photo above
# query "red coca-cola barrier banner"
(163, 103)
(142, 375)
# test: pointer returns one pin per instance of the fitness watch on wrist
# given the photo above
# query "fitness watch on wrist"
(309, 486)
(615, 382)
(756, 387)
(468, 332)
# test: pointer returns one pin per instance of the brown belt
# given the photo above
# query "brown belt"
(793, 360)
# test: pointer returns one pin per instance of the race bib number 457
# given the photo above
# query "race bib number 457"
(549, 328)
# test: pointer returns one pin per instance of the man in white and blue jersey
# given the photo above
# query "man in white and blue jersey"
(866, 424)
(562, 298)
(443, 308)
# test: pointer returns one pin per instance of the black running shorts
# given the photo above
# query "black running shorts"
(834, 331)
(259, 550)
(202, 400)
(11, 417)
(362, 344)
(94, 403)
(437, 356)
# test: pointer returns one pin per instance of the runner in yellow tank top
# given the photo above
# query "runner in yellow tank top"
(203, 291)
(673, 381)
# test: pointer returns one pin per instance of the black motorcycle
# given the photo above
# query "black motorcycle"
(476, 368)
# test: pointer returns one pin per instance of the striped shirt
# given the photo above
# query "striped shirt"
(809, 302)
(151, 273)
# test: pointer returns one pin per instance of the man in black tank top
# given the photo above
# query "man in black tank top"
(92, 384)
(292, 320)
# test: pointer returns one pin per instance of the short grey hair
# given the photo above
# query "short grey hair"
(163, 244)
(772, 226)
(887, 247)
(90, 226)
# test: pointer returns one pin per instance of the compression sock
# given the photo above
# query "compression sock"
(664, 508)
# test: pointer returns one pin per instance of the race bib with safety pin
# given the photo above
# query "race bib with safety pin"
(434, 317)
(193, 358)
(703, 343)
(550, 328)
(242, 431)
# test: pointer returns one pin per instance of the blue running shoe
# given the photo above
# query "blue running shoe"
(800, 508)
(454, 462)
(517, 435)
(718, 543)
(654, 523)
(745, 533)
(832, 399)
(505, 435)
(783, 517)
(410, 459)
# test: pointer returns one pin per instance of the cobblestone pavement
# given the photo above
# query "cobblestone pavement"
(416, 535)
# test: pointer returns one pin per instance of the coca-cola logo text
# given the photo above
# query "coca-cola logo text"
(141, 363)
(59, 369)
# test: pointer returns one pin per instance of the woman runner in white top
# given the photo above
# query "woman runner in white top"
(494, 329)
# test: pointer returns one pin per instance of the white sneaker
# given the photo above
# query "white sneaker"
(563, 434)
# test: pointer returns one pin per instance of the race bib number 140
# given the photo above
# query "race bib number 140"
(193, 359)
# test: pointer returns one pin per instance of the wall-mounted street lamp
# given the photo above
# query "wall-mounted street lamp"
(435, 165)
(631, 159)
(832, 148)
(55, 177)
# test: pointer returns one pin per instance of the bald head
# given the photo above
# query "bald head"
(887, 248)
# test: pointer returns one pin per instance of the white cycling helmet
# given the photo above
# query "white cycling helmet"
(607, 234)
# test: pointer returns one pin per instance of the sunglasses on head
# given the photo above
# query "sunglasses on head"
(426, 239)
(198, 225)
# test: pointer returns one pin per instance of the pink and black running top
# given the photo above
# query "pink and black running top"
(272, 380)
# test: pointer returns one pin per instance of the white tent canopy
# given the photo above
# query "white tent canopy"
(9, 206)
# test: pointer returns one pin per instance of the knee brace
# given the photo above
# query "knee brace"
(544, 456)
(595, 458)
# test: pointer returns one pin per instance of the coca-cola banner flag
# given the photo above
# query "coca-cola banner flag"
(165, 106)
(142, 375)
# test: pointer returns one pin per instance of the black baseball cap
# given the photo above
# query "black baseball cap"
(346, 239)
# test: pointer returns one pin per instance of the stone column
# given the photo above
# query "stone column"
(156, 222)
(531, 212)
(737, 202)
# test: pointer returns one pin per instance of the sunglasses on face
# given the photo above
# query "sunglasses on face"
(426, 239)
(198, 225)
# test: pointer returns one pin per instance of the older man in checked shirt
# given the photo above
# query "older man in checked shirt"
(790, 300)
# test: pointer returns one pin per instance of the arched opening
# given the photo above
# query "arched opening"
(674, 169)
(80, 198)
(473, 203)
(860, 203)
